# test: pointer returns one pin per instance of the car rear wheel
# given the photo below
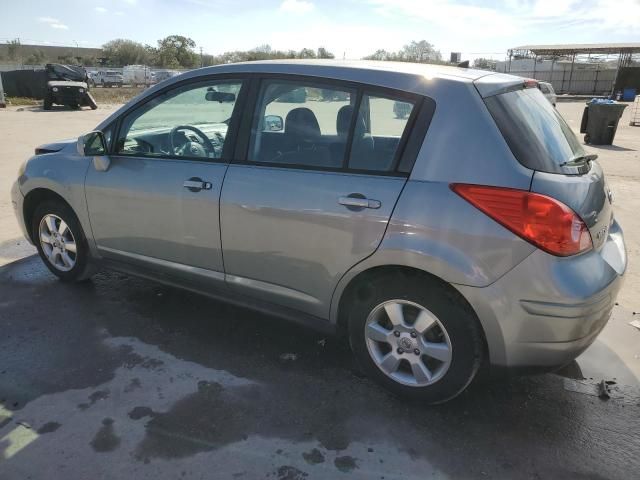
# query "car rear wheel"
(46, 103)
(415, 336)
(61, 242)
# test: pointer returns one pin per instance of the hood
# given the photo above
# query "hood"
(56, 146)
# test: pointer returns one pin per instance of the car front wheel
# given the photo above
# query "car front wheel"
(415, 336)
(61, 242)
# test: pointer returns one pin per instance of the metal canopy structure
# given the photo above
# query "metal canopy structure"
(567, 50)
(583, 53)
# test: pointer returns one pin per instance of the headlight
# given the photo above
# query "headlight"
(55, 89)
(81, 90)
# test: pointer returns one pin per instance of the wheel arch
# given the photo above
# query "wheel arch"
(357, 281)
(36, 197)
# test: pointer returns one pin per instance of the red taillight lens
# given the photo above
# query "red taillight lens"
(543, 221)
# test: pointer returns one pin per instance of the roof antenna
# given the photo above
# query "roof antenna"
(464, 64)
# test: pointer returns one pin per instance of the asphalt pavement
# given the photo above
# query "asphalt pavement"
(124, 378)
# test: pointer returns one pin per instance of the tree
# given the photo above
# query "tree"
(177, 51)
(36, 58)
(484, 63)
(418, 52)
(324, 53)
(13, 48)
(306, 53)
(380, 55)
(122, 52)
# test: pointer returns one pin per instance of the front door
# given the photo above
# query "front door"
(314, 198)
(157, 203)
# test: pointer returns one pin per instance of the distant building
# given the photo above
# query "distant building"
(47, 53)
(456, 57)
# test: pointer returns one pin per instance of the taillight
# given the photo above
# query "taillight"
(543, 221)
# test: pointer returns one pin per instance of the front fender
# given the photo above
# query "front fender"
(62, 173)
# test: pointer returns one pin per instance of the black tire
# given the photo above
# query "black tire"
(451, 310)
(46, 104)
(587, 138)
(83, 269)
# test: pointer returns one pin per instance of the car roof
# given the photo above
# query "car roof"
(418, 78)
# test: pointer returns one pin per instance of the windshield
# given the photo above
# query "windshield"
(536, 133)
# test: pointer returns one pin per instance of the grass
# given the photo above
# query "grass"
(22, 101)
(116, 95)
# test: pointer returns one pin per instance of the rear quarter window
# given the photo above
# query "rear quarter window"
(536, 133)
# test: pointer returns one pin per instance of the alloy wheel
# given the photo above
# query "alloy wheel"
(408, 343)
(57, 242)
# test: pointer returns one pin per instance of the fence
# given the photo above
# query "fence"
(580, 82)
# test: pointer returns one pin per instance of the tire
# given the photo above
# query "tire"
(81, 267)
(587, 138)
(455, 336)
(46, 103)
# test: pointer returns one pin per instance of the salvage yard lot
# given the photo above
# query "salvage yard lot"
(136, 380)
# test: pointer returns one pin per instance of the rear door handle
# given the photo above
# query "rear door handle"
(359, 202)
(196, 184)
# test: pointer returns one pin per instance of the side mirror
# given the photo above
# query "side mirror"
(220, 97)
(273, 123)
(92, 144)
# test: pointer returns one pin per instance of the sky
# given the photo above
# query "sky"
(348, 28)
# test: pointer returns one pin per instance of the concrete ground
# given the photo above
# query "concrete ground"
(125, 378)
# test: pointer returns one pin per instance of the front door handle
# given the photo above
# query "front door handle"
(196, 184)
(359, 202)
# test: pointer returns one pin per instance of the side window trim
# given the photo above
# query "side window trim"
(228, 147)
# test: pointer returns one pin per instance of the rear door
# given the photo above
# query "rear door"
(310, 201)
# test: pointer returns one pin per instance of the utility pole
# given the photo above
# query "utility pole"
(201, 58)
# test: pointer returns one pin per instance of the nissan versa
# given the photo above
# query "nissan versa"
(471, 228)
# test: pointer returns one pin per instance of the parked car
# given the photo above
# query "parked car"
(67, 85)
(162, 75)
(548, 92)
(432, 255)
(107, 78)
(401, 109)
(137, 75)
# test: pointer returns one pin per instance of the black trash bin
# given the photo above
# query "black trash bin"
(600, 121)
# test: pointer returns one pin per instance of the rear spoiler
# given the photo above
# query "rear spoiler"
(499, 83)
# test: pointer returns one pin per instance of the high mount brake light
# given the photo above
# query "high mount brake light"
(541, 220)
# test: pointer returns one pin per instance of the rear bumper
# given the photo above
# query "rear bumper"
(548, 310)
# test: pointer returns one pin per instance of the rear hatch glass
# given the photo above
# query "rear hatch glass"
(536, 133)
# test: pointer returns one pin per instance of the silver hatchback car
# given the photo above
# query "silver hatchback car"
(472, 228)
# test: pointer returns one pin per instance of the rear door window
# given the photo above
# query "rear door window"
(380, 125)
(536, 133)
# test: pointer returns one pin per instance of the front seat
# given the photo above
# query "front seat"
(301, 140)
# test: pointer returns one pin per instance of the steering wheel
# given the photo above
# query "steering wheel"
(194, 149)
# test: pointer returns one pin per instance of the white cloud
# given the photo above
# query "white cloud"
(119, 14)
(100, 10)
(48, 20)
(53, 23)
(296, 6)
